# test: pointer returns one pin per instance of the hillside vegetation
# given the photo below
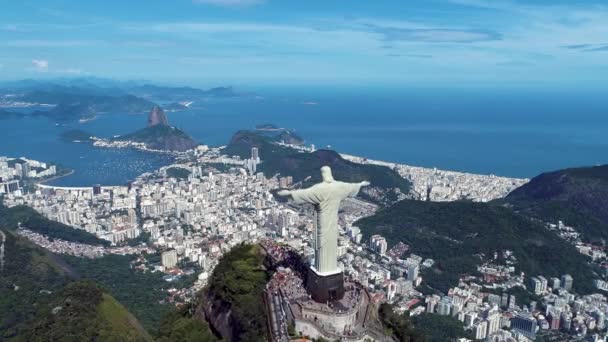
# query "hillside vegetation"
(578, 197)
(83, 312)
(457, 235)
(286, 161)
(40, 301)
(32, 220)
(236, 286)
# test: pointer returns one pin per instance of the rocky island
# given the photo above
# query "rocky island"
(157, 136)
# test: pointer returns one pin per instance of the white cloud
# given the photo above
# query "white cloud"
(230, 3)
(40, 65)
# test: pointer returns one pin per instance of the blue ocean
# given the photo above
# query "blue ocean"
(506, 132)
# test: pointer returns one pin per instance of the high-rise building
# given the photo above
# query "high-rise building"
(566, 282)
(379, 245)
(525, 324)
(480, 330)
(469, 318)
(543, 283)
(494, 299)
(512, 301)
(412, 272)
(536, 285)
(493, 322)
(504, 301)
(554, 318)
(566, 322)
(431, 302)
(25, 170)
(169, 259)
(555, 283)
(444, 307)
(255, 155)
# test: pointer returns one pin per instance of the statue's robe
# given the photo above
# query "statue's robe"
(326, 198)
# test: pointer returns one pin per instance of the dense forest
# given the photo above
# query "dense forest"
(180, 325)
(238, 283)
(140, 292)
(35, 282)
(421, 328)
(83, 312)
(28, 280)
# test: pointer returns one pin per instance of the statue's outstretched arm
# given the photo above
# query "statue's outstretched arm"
(301, 195)
(284, 193)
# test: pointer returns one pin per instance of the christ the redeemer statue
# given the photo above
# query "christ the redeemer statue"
(326, 197)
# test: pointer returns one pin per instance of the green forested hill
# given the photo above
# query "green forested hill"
(34, 282)
(290, 162)
(83, 312)
(161, 137)
(578, 196)
(237, 284)
(454, 233)
(28, 280)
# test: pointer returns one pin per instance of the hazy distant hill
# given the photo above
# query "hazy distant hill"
(577, 196)
(83, 97)
(180, 93)
(302, 165)
(453, 233)
(159, 135)
(73, 105)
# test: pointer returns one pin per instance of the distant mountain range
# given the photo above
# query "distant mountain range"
(74, 99)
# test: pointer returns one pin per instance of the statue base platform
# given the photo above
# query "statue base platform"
(325, 288)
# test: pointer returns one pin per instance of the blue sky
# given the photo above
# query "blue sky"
(427, 42)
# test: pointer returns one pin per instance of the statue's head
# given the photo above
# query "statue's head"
(326, 174)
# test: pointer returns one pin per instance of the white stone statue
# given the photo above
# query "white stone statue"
(326, 197)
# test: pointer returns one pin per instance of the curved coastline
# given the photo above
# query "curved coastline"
(69, 173)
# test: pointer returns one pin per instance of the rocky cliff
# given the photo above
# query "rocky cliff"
(157, 117)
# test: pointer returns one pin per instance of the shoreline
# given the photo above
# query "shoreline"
(362, 160)
(69, 173)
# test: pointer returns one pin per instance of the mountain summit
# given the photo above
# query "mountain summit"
(159, 135)
(157, 117)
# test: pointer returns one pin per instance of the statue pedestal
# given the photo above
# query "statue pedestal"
(325, 288)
